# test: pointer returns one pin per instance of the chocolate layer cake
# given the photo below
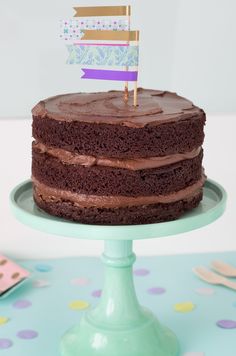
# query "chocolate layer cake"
(98, 160)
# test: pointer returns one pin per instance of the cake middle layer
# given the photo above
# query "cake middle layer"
(89, 175)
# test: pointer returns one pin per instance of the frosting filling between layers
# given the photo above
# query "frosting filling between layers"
(132, 164)
(49, 194)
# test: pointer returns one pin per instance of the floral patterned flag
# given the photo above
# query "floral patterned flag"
(103, 55)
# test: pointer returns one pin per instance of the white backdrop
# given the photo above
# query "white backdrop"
(186, 46)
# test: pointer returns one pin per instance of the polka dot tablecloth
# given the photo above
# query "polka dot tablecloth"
(33, 318)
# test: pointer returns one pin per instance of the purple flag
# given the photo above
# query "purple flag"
(119, 75)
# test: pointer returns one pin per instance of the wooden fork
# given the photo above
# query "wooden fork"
(224, 268)
(213, 278)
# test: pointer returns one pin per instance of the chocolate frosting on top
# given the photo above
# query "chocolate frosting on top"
(154, 107)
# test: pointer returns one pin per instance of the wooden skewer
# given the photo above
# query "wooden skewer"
(136, 83)
(126, 91)
(135, 93)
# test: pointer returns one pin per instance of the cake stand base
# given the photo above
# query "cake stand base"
(119, 325)
(149, 338)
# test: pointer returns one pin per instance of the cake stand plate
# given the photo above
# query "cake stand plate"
(211, 207)
(118, 325)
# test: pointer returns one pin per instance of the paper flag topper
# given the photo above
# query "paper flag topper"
(103, 55)
(72, 29)
(118, 75)
(110, 35)
(103, 11)
(122, 51)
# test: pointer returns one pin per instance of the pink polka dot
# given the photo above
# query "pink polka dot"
(41, 283)
(205, 291)
(81, 281)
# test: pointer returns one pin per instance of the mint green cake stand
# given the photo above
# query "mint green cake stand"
(118, 326)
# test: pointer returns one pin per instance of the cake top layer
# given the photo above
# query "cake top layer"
(155, 107)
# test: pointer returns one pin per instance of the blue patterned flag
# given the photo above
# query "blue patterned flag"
(103, 55)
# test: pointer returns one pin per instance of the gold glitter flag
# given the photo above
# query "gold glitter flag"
(110, 35)
(102, 11)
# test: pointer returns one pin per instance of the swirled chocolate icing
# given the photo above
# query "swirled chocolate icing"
(155, 107)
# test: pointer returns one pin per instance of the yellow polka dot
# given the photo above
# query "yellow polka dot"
(78, 305)
(184, 307)
(3, 320)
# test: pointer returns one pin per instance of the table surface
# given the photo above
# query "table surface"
(61, 290)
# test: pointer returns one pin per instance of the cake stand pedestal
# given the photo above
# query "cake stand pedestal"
(118, 325)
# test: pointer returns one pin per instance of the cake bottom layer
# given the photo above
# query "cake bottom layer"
(135, 215)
